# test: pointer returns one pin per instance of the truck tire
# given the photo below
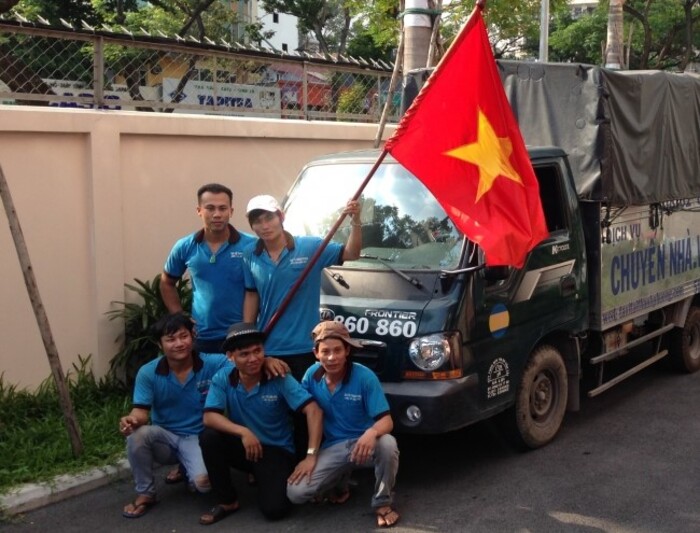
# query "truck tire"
(540, 402)
(685, 343)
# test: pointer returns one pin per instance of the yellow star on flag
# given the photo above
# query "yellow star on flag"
(490, 153)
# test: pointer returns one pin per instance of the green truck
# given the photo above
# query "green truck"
(617, 157)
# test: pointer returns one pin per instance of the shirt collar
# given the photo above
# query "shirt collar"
(320, 372)
(260, 245)
(233, 235)
(234, 378)
(163, 368)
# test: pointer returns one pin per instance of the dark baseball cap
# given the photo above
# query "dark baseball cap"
(242, 334)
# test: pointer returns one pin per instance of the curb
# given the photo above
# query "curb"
(34, 495)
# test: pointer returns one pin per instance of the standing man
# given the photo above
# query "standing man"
(249, 427)
(272, 268)
(213, 256)
(356, 426)
(171, 389)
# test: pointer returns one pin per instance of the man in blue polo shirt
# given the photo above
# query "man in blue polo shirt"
(172, 389)
(248, 427)
(357, 425)
(213, 256)
(274, 265)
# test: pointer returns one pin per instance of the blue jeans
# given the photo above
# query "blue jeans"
(333, 465)
(153, 444)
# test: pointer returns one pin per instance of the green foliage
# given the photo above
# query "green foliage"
(579, 40)
(35, 444)
(364, 45)
(352, 99)
(139, 317)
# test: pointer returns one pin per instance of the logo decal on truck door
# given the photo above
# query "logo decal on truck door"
(498, 378)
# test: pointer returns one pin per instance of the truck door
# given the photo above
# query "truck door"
(544, 296)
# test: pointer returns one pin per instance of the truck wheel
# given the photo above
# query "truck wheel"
(685, 343)
(541, 400)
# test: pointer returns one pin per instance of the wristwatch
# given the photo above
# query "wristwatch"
(312, 451)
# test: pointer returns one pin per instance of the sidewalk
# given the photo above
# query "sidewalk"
(34, 495)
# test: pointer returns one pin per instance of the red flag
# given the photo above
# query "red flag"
(460, 138)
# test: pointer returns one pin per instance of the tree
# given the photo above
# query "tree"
(659, 34)
(7, 5)
(513, 25)
(667, 38)
(578, 40)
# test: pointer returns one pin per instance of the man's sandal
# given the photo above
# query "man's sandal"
(216, 514)
(387, 517)
(174, 476)
(138, 509)
(339, 496)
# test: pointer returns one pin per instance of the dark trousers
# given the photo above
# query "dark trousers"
(222, 451)
(298, 365)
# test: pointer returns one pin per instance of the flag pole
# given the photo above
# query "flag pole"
(314, 258)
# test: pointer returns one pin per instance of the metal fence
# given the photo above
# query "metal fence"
(41, 64)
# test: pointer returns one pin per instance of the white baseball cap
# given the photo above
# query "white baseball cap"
(264, 202)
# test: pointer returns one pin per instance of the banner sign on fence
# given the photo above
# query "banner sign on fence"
(237, 99)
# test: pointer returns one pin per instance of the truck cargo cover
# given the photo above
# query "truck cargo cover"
(633, 137)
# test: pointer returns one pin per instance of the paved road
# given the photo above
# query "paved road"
(626, 463)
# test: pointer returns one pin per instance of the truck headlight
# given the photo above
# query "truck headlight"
(437, 356)
(429, 353)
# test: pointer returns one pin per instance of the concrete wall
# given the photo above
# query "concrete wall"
(102, 196)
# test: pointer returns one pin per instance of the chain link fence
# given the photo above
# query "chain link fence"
(45, 65)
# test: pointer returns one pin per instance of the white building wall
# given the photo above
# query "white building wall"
(286, 37)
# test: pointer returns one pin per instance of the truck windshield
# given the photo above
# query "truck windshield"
(402, 223)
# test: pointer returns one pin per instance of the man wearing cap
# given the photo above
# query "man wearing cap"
(272, 268)
(248, 427)
(356, 425)
(213, 256)
(170, 390)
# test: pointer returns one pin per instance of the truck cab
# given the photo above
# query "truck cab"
(450, 339)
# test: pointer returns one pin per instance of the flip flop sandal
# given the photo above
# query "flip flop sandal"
(383, 517)
(217, 513)
(339, 497)
(144, 507)
(174, 476)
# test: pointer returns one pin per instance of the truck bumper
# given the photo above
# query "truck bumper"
(444, 405)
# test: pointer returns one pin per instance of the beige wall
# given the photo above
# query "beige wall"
(101, 198)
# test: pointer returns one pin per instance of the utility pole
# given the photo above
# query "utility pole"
(544, 31)
(417, 32)
(613, 47)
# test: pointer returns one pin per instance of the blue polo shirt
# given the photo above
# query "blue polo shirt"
(356, 403)
(292, 333)
(217, 280)
(264, 410)
(175, 406)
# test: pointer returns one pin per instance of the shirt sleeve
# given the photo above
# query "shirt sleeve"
(295, 395)
(175, 264)
(143, 388)
(332, 254)
(216, 398)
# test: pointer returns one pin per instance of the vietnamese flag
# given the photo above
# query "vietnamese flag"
(460, 138)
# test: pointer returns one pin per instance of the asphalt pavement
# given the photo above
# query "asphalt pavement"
(626, 463)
